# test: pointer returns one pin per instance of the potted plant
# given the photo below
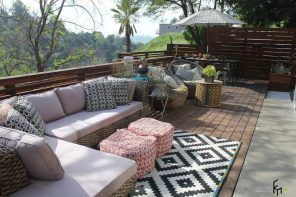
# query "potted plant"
(143, 67)
(280, 77)
(209, 73)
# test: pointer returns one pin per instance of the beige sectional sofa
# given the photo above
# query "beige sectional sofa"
(88, 172)
(70, 129)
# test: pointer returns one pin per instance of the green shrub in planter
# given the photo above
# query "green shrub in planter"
(209, 72)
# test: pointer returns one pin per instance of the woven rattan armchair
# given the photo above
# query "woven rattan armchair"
(191, 85)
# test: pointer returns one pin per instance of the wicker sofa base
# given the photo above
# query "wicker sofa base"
(126, 188)
(93, 139)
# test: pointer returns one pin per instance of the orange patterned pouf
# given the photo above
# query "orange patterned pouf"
(161, 130)
(127, 144)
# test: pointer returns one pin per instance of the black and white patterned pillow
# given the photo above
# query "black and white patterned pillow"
(120, 92)
(184, 74)
(28, 111)
(16, 121)
(99, 95)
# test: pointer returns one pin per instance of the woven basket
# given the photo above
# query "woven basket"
(13, 175)
(208, 94)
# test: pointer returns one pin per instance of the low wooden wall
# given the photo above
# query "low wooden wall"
(146, 54)
(38, 82)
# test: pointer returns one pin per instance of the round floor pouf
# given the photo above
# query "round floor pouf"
(142, 149)
(161, 130)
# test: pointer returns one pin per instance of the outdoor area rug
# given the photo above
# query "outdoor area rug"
(195, 166)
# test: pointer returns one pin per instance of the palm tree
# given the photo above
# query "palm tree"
(125, 15)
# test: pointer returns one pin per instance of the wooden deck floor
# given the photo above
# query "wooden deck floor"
(236, 119)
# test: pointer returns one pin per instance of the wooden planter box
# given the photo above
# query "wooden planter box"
(279, 82)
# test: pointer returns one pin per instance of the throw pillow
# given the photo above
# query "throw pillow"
(185, 75)
(99, 95)
(9, 101)
(38, 158)
(170, 81)
(13, 119)
(28, 111)
(185, 66)
(131, 86)
(120, 92)
(197, 74)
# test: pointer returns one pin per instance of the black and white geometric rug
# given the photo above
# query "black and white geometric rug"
(195, 166)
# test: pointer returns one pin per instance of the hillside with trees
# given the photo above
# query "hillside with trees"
(17, 56)
(160, 43)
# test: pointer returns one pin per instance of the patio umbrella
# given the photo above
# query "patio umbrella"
(207, 17)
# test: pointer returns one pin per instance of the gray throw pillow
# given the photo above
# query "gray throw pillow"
(120, 92)
(38, 158)
(131, 86)
(184, 74)
(99, 95)
(28, 111)
(13, 119)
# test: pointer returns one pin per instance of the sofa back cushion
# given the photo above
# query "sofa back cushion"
(72, 98)
(37, 156)
(48, 105)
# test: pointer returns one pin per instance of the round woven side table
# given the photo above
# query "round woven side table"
(208, 94)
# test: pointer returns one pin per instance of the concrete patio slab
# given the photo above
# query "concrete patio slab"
(272, 153)
(278, 95)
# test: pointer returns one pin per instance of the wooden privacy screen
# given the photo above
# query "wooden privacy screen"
(257, 48)
(183, 49)
(38, 82)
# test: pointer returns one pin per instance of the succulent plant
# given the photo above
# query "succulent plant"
(280, 68)
(210, 71)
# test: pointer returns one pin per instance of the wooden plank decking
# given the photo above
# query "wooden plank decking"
(236, 119)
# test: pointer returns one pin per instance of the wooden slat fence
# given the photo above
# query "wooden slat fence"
(257, 48)
(183, 49)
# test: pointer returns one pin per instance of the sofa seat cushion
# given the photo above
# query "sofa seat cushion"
(88, 172)
(73, 127)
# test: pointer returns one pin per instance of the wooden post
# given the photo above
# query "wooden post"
(10, 90)
(169, 51)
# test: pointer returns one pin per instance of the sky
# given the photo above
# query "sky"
(145, 26)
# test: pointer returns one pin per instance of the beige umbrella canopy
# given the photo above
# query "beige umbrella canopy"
(207, 17)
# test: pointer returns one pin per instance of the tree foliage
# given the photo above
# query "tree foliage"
(265, 13)
(70, 49)
(125, 15)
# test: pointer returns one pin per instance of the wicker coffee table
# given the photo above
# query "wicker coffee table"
(208, 94)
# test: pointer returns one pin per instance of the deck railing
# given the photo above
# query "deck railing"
(146, 54)
(38, 82)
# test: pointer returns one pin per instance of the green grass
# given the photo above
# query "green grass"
(160, 43)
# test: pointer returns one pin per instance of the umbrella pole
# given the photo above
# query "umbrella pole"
(208, 28)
